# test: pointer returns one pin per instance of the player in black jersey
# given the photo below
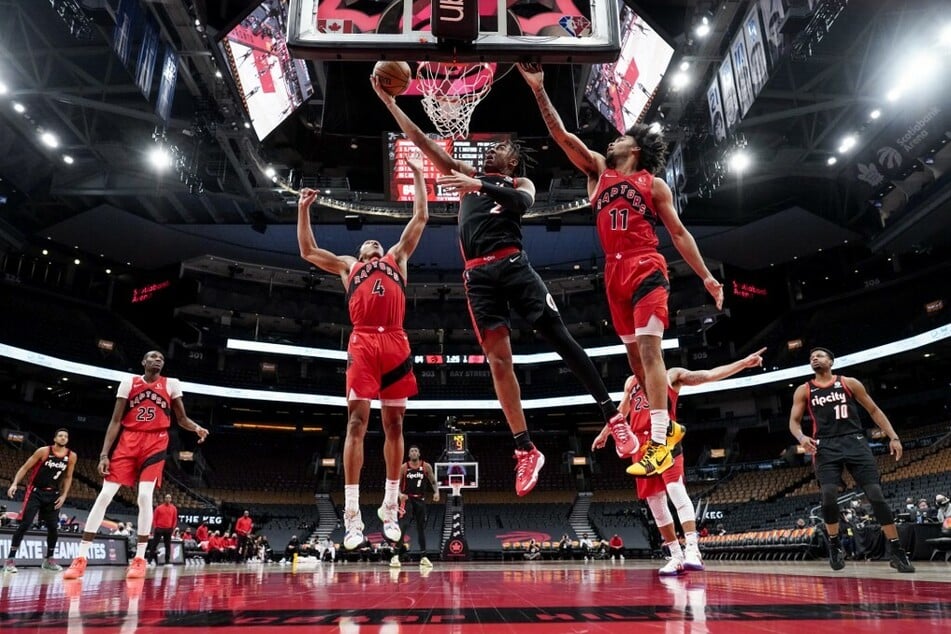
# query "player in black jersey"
(499, 278)
(838, 441)
(46, 491)
(414, 474)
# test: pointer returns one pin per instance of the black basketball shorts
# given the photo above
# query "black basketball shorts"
(851, 452)
(510, 283)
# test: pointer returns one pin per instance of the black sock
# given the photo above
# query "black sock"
(523, 442)
(13, 553)
(895, 545)
(834, 539)
(608, 410)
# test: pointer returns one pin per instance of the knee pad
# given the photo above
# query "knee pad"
(830, 503)
(658, 507)
(678, 495)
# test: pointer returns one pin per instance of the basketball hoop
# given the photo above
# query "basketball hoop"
(451, 92)
(455, 483)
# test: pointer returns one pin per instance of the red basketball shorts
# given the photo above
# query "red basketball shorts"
(139, 456)
(637, 288)
(380, 366)
(652, 485)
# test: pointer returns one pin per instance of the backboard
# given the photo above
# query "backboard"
(469, 471)
(547, 31)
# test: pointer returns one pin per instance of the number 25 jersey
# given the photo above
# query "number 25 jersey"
(148, 405)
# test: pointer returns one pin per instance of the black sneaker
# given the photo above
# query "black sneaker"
(899, 561)
(836, 556)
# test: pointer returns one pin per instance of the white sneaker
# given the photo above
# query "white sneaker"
(391, 524)
(674, 567)
(395, 562)
(692, 558)
(353, 524)
(425, 563)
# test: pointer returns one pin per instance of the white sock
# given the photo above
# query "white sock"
(660, 419)
(84, 548)
(691, 539)
(391, 492)
(676, 552)
(351, 498)
(140, 548)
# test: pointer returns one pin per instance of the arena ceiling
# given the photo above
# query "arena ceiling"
(838, 64)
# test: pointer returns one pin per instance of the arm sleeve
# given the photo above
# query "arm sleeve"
(174, 388)
(125, 386)
(508, 197)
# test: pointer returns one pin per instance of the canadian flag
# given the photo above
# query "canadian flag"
(335, 26)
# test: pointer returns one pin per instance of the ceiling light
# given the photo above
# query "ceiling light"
(684, 65)
(703, 29)
(3, 88)
(679, 80)
(160, 158)
(197, 22)
(19, 107)
(49, 139)
(108, 271)
(270, 172)
(45, 252)
(218, 74)
(893, 95)
(831, 160)
(875, 114)
(945, 36)
(69, 160)
(247, 125)
(847, 143)
(76, 261)
(739, 161)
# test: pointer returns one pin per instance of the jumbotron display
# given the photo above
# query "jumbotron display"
(398, 149)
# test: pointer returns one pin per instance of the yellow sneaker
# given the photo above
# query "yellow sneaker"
(675, 433)
(656, 460)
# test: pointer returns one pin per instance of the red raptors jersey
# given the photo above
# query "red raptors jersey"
(624, 212)
(149, 406)
(640, 416)
(376, 294)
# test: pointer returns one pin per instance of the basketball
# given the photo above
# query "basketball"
(394, 77)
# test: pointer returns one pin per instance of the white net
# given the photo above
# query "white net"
(451, 92)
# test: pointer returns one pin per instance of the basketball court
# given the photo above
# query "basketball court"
(602, 596)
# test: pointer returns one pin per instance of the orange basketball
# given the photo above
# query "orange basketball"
(394, 77)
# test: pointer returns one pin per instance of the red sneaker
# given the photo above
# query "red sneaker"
(137, 569)
(76, 569)
(625, 442)
(526, 471)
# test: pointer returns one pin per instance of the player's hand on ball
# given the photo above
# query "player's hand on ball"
(384, 96)
(460, 182)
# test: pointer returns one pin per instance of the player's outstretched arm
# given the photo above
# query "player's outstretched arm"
(589, 162)
(445, 163)
(683, 240)
(678, 377)
(322, 258)
(403, 249)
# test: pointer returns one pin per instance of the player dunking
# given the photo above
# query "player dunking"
(838, 441)
(498, 278)
(414, 474)
(656, 489)
(46, 491)
(140, 420)
(379, 360)
(628, 202)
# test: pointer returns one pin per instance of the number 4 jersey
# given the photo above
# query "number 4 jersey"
(149, 405)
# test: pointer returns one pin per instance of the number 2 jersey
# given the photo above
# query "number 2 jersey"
(376, 294)
(832, 409)
(148, 405)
